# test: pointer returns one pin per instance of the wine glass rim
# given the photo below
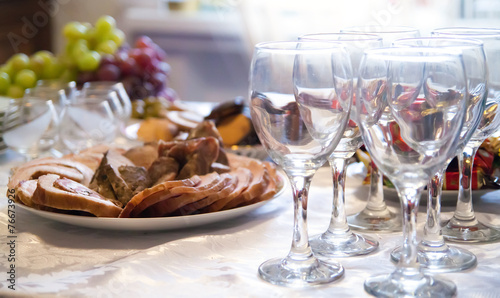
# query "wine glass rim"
(355, 36)
(413, 54)
(461, 42)
(374, 29)
(291, 46)
(97, 84)
(468, 31)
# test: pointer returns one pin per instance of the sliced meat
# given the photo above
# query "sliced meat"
(149, 194)
(257, 185)
(163, 169)
(142, 156)
(220, 168)
(231, 183)
(179, 197)
(275, 185)
(66, 168)
(62, 193)
(195, 156)
(243, 176)
(207, 128)
(117, 174)
(24, 192)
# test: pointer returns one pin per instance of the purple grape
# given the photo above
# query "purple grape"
(108, 72)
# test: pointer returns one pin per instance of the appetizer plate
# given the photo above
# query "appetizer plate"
(154, 223)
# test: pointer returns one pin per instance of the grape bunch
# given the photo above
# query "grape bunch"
(22, 71)
(86, 44)
(142, 70)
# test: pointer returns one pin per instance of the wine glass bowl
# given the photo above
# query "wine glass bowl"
(300, 109)
(411, 108)
(86, 123)
(30, 126)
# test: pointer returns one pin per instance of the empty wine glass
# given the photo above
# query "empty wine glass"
(69, 88)
(338, 240)
(376, 216)
(301, 94)
(111, 86)
(464, 226)
(411, 108)
(87, 122)
(57, 96)
(433, 253)
(30, 126)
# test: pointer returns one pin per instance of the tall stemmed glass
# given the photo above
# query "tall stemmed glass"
(433, 253)
(464, 226)
(376, 216)
(338, 240)
(301, 95)
(411, 108)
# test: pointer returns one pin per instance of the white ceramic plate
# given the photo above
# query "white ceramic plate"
(146, 224)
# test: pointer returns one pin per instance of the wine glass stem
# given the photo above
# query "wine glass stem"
(464, 210)
(410, 198)
(338, 221)
(376, 195)
(432, 229)
(300, 250)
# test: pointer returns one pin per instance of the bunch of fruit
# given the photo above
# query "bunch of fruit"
(141, 69)
(22, 71)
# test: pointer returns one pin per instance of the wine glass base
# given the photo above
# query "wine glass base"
(330, 245)
(279, 272)
(449, 259)
(468, 231)
(392, 285)
(379, 221)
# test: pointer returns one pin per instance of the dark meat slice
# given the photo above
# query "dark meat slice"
(163, 169)
(117, 177)
(143, 156)
(195, 156)
(207, 128)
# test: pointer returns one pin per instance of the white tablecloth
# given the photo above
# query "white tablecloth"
(216, 260)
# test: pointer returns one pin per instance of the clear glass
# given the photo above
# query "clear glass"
(464, 226)
(411, 108)
(338, 240)
(376, 216)
(433, 253)
(112, 86)
(57, 96)
(30, 126)
(300, 109)
(69, 88)
(86, 123)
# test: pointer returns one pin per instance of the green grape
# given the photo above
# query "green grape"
(37, 64)
(74, 30)
(53, 70)
(19, 61)
(26, 78)
(105, 24)
(7, 68)
(15, 91)
(79, 48)
(47, 56)
(69, 74)
(117, 36)
(89, 61)
(106, 47)
(4, 82)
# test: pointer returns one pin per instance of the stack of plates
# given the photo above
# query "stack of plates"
(6, 121)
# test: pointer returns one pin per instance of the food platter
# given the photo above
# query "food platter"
(150, 224)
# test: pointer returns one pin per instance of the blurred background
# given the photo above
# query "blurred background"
(209, 42)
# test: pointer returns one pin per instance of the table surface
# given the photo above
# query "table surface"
(219, 259)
